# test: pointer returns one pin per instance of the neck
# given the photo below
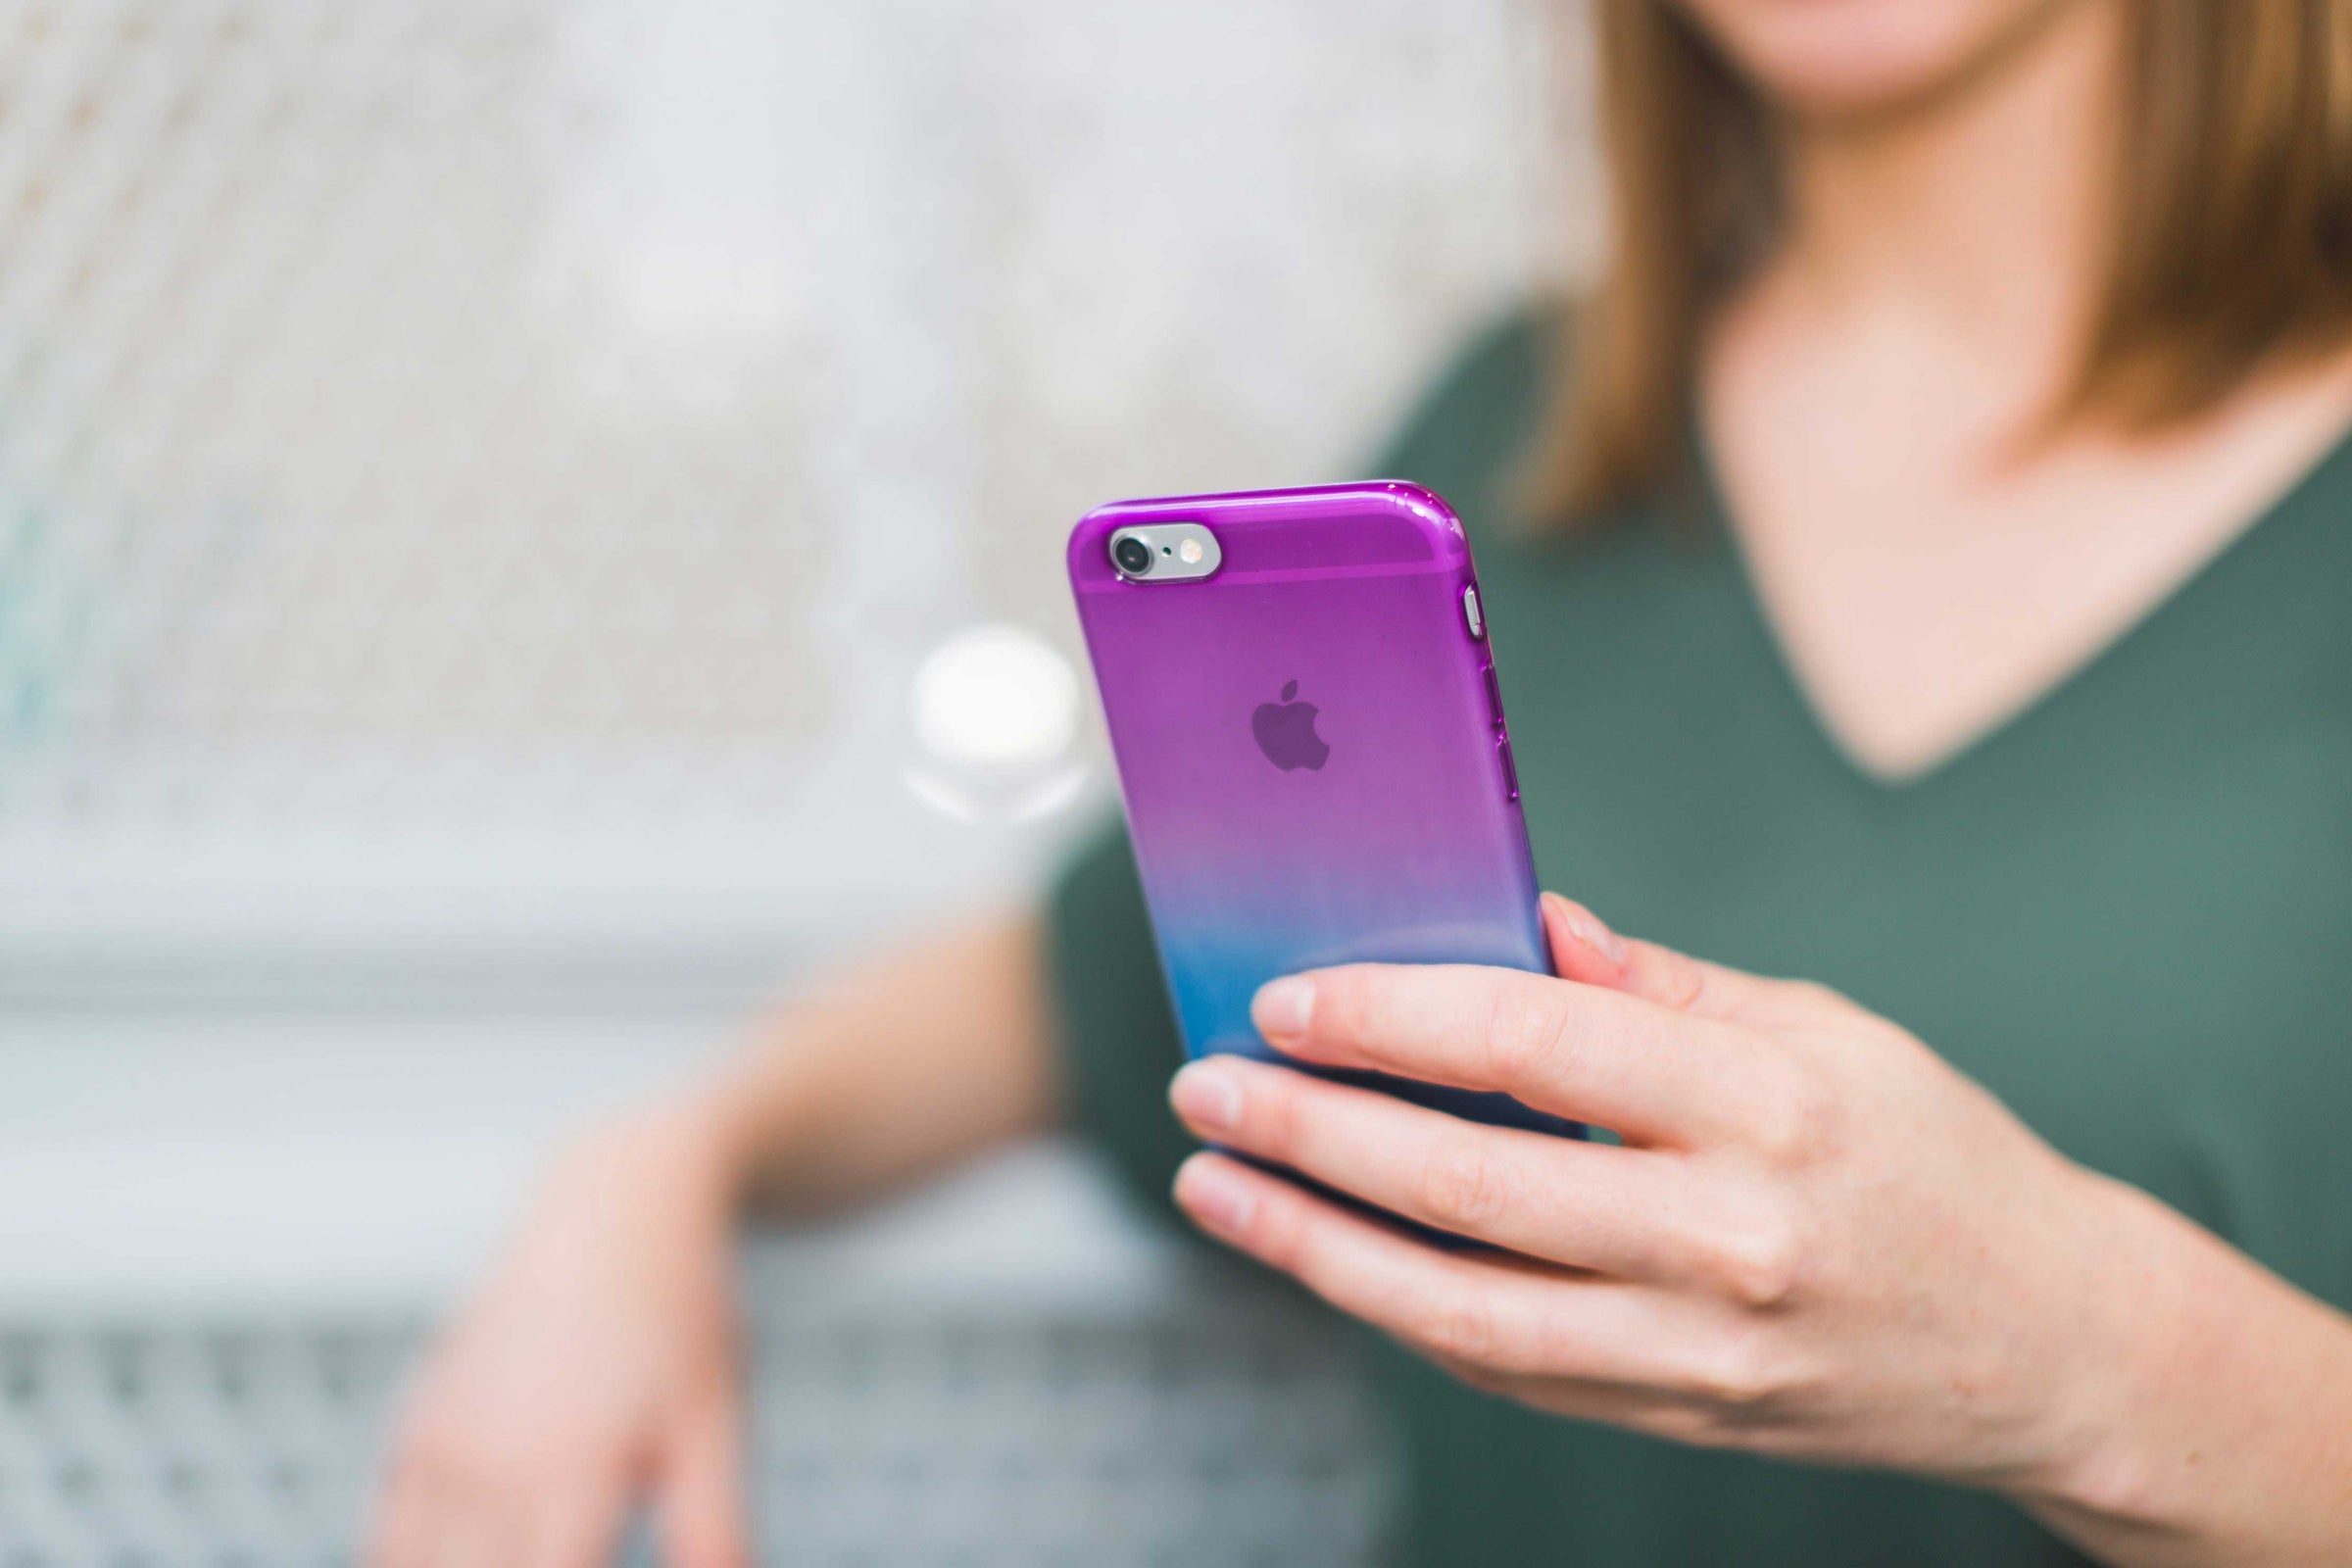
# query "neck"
(1979, 211)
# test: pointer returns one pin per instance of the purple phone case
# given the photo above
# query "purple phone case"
(1311, 747)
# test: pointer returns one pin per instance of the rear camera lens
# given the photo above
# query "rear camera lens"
(1133, 556)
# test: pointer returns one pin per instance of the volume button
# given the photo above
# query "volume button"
(1493, 694)
(1511, 773)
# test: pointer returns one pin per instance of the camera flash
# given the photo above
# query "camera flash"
(1189, 551)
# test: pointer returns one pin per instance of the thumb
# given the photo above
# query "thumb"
(703, 1517)
(1585, 951)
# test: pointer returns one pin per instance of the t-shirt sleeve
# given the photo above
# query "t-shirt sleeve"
(1117, 1029)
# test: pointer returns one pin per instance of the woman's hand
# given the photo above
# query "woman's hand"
(598, 1367)
(1818, 1241)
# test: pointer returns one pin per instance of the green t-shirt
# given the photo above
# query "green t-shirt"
(2127, 912)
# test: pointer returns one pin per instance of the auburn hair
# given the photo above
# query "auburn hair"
(2231, 249)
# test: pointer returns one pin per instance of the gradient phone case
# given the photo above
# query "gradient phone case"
(1312, 751)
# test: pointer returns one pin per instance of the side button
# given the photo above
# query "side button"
(1472, 617)
(1493, 695)
(1511, 773)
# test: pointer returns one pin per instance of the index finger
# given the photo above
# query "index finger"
(1652, 1074)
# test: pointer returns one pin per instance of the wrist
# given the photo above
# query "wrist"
(2223, 1440)
(2108, 1411)
(754, 1127)
(684, 1146)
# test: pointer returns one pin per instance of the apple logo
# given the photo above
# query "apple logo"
(1286, 732)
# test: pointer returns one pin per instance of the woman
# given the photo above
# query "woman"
(1940, 592)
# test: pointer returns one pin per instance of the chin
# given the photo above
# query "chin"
(1841, 58)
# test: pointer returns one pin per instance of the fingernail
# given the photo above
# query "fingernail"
(1214, 1194)
(1282, 1007)
(1587, 928)
(1206, 1096)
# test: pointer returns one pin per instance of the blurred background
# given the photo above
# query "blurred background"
(527, 525)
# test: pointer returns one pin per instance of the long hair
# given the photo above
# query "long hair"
(2231, 230)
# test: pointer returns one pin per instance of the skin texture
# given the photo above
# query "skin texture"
(598, 1365)
(1931, 558)
(1819, 1240)
(508, 1455)
(1863, 63)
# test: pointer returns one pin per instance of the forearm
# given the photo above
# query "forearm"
(893, 1070)
(2228, 1413)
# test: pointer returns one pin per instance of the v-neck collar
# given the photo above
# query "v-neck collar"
(1714, 514)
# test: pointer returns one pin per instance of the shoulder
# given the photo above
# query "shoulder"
(1476, 431)
(1474, 423)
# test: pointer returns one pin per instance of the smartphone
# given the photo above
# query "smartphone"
(1302, 700)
